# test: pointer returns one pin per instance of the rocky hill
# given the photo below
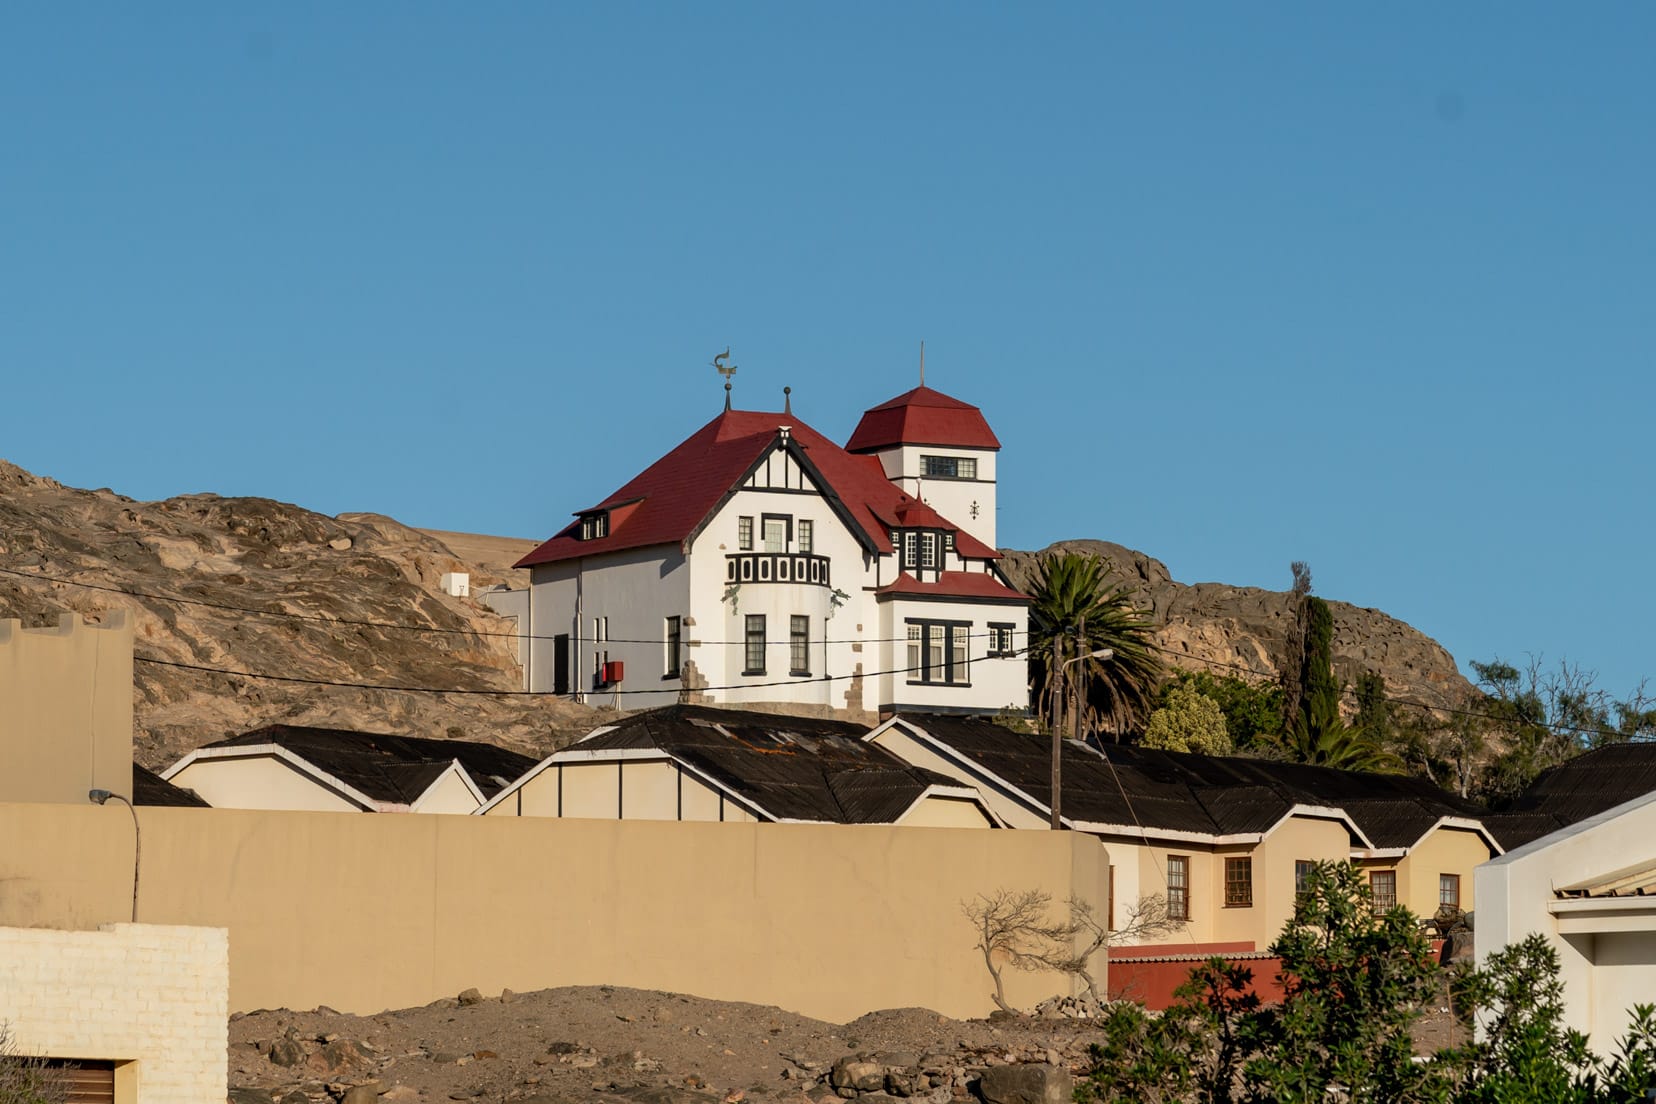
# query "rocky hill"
(1245, 631)
(254, 585)
(249, 584)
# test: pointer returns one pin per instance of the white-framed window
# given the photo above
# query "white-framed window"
(1383, 888)
(775, 533)
(1178, 887)
(594, 526)
(1000, 638)
(928, 549)
(807, 535)
(744, 534)
(937, 652)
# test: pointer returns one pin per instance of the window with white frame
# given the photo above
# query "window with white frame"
(775, 533)
(949, 467)
(937, 652)
(744, 534)
(807, 535)
(1000, 638)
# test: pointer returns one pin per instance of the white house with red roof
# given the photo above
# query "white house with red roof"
(760, 562)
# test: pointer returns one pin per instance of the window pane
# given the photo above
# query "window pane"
(1178, 887)
(914, 652)
(934, 653)
(1383, 885)
(911, 542)
(1449, 891)
(1302, 874)
(755, 656)
(957, 653)
(776, 535)
(674, 631)
(799, 644)
(1238, 883)
(744, 534)
(805, 536)
(966, 468)
(928, 549)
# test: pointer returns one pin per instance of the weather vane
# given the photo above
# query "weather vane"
(725, 370)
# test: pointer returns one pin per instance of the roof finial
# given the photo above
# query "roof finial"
(922, 364)
(787, 400)
(725, 370)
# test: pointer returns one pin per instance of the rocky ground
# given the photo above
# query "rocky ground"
(609, 1044)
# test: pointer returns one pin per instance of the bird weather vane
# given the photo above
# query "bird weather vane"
(725, 370)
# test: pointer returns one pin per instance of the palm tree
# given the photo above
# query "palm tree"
(1320, 736)
(1078, 607)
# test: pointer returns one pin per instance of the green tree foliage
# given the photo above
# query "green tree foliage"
(1188, 720)
(1253, 712)
(1543, 715)
(1078, 607)
(1318, 734)
(1354, 982)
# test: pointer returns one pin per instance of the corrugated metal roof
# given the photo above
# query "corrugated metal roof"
(1571, 792)
(149, 788)
(1633, 881)
(1211, 795)
(387, 767)
(793, 768)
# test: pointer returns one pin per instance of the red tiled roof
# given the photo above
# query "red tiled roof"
(953, 584)
(675, 495)
(922, 417)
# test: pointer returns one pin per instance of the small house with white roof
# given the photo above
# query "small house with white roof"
(760, 562)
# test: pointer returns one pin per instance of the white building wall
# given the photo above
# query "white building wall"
(449, 794)
(1604, 970)
(969, 503)
(154, 997)
(636, 590)
(994, 682)
(720, 608)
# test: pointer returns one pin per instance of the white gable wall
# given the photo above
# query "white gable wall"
(721, 622)
(260, 781)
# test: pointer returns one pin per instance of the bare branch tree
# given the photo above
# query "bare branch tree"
(1016, 929)
(25, 1079)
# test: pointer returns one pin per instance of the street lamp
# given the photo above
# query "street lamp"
(99, 797)
(1075, 731)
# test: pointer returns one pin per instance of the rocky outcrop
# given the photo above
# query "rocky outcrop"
(1246, 631)
(254, 585)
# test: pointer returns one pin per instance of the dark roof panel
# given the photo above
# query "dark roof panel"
(1212, 795)
(792, 768)
(386, 767)
(149, 788)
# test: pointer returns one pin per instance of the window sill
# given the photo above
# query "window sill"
(1249, 904)
(671, 676)
(799, 674)
(750, 674)
(949, 685)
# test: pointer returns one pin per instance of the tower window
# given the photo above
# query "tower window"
(949, 467)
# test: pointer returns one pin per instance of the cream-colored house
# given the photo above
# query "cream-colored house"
(1227, 841)
(696, 763)
(336, 770)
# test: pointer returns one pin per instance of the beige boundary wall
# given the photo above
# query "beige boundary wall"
(365, 913)
(150, 998)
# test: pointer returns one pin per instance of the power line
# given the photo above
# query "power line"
(302, 680)
(328, 619)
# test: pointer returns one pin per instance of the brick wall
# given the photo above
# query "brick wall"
(154, 996)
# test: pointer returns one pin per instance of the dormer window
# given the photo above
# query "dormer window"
(921, 549)
(949, 467)
(595, 525)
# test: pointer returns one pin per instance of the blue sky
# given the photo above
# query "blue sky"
(1235, 285)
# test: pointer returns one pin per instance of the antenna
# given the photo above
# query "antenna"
(725, 370)
(787, 400)
(922, 364)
